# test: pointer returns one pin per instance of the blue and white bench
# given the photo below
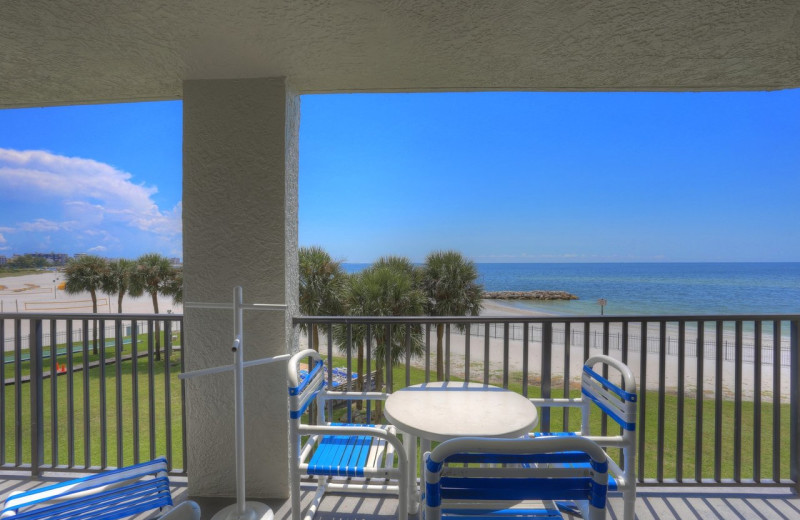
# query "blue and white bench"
(619, 402)
(470, 478)
(114, 494)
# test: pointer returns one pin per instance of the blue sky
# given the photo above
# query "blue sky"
(502, 177)
(102, 179)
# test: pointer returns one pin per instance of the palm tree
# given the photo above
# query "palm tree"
(322, 283)
(403, 265)
(449, 284)
(174, 287)
(117, 279)
(154, 275)
(86, 274)
(387, 288)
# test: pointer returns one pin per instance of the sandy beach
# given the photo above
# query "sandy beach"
(39, 293)
(651, 381)
(496, 308)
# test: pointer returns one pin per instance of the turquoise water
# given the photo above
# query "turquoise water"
(652, 288)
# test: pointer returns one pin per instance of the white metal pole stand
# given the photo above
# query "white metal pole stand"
(242, 509)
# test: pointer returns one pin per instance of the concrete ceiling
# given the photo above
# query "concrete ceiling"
(95, 51)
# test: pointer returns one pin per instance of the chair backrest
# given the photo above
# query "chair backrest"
(618, 402)
(536, 472)
(304, 388)
(113, 494)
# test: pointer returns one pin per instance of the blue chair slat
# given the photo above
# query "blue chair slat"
(507, 514)
(577, 462)
(340, 456)
(539, 458)
(504, 514)
(624, 395)
(356, 458)
(514, 489)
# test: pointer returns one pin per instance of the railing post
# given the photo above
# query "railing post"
(547, 368)
(794, 421)
(37, 397)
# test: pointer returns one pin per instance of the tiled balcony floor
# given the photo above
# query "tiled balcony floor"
(665, 503)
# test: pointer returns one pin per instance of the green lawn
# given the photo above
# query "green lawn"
(651, 428)
(124, 407)
(9, 273)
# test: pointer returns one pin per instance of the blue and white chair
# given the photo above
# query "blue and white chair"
(343, 458)
(119, 493)
(503, 479)
(619, 402)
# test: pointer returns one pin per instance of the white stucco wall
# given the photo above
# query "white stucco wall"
(239, 228)
(92, 51)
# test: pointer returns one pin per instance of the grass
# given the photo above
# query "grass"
(649, 421)
(87, 419)
(57, 448)
(9, 273)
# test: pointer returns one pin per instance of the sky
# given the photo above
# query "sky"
(501, 177)
(98, 179)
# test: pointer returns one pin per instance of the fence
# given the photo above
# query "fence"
(80, 397)
(77, 334)
(596, 338)
(705, 431)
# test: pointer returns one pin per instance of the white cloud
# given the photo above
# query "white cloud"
(98, 249)
(42, 225)
(84, 198)
(2, 239)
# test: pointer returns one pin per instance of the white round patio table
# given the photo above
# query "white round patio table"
(445, 410)
(440, 411)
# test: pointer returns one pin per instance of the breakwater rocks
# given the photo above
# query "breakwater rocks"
(529, 295)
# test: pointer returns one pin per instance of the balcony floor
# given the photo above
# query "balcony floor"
(662, 503)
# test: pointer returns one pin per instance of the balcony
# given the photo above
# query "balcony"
(718, 408)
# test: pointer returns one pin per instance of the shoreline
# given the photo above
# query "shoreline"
(493, 307)
(40, 294)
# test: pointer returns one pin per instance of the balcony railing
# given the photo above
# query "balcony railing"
(715, 407)
(84, 392)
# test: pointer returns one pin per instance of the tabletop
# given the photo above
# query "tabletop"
(444, 410)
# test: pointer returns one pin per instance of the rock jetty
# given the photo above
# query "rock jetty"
(528, 295)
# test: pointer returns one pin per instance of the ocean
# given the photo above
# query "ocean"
(650, 288)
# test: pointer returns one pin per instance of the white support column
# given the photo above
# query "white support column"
(240, 140)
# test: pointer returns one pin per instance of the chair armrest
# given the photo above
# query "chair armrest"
(331, 429)
(352, 396)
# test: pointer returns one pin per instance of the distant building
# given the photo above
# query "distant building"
(52, 258)
(3, 260)
(175, 261)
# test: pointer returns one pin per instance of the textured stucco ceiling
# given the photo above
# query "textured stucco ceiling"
(91, 51)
